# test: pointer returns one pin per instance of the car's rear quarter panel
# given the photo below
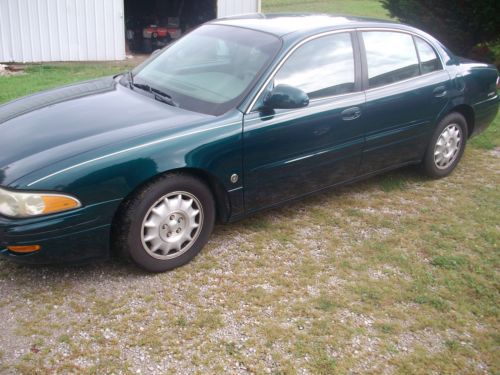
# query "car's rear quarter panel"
(480, 92)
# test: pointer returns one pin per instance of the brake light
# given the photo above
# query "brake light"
(498, 83)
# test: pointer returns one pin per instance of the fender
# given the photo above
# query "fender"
(214, 148)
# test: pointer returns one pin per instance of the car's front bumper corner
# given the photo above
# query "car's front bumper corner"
(72, 237)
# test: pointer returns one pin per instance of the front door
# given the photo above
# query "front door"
(288, 153)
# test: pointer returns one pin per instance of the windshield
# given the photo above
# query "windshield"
(211, 69)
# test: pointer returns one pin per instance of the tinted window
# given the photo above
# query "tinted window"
(391, 57)
(429, 61)
(322, 67)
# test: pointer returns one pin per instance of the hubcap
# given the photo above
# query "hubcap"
(448, 146)
(172, 225)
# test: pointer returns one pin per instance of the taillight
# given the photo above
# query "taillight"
(498, 83)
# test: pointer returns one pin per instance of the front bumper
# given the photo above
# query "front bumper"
(74, 236)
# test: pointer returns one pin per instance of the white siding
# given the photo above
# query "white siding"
(227, 8)
(75, 30)
(61, 30)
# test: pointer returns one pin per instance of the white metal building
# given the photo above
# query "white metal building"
(79, 30)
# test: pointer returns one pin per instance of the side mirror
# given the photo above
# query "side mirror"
(286, 97)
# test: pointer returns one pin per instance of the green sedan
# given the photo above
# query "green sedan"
(239, 115)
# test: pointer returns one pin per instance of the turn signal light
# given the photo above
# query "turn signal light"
(24, 249)
(57, 203)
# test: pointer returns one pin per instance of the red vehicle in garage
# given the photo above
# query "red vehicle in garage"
(156, 37)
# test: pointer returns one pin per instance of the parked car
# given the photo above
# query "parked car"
(151, 37)
(239, 115)
(156, 37)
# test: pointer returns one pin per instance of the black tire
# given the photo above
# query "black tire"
(128, 228)
(429, 164)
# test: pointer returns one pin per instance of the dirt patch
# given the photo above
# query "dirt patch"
(11, 70)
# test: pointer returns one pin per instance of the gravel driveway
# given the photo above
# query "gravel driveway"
(370, 277)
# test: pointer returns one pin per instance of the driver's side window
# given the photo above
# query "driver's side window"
(322, 67)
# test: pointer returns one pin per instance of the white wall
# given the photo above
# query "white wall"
(61, 30)
(75, 30)
(234, 7)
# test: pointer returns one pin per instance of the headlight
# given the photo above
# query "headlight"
(19, 205)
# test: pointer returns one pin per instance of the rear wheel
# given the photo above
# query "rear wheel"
(166, 223)
(446, 146)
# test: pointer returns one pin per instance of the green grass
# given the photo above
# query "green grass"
(490, 139)
(395, 274)
(41, 77)
(369, 8)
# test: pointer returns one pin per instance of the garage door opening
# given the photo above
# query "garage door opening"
(153, 24)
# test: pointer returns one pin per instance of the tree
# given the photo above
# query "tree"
(462, 25)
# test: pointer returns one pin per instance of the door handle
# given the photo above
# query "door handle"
(440, 92)
(351, 113)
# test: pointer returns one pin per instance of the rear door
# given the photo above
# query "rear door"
(288, 153)
(406, 89)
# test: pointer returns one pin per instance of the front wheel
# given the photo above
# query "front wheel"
(166, 223)
(446, 146)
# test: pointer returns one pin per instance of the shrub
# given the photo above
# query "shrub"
(467, 27)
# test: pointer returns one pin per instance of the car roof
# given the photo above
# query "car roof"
(281, 24)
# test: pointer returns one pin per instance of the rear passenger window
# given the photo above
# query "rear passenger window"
(429, 61)
(391, 57)
(322, 67)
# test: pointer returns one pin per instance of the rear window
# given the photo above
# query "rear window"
(391, 57)
(429, 61)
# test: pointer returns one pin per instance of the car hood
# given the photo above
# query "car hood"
(54, 125)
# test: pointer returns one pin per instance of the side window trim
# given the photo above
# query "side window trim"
(363, 59)
(364, 62)
(414, 38)
(358, 86)
(358, 65)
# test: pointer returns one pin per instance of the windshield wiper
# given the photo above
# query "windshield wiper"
(130, 76)
(159, 95)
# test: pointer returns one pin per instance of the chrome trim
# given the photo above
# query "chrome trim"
(335, 96)
(404, 80)
(361, 29)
